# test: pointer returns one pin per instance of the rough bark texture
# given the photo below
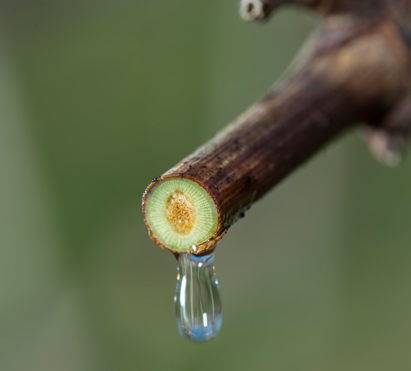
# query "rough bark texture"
(357, 69)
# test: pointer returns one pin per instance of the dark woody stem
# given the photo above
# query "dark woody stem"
(357, 69)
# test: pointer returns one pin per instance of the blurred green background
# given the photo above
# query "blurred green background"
(99, 97)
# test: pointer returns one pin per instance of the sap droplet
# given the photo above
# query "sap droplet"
(198, 306)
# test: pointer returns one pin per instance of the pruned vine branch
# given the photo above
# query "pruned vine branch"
(356, 70)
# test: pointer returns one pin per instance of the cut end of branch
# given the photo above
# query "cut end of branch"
(179, 214)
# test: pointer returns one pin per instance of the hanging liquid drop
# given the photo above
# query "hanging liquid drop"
(198, 307)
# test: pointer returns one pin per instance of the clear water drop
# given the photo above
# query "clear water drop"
(198, 307)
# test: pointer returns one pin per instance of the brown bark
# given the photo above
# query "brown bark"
(356, 70)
